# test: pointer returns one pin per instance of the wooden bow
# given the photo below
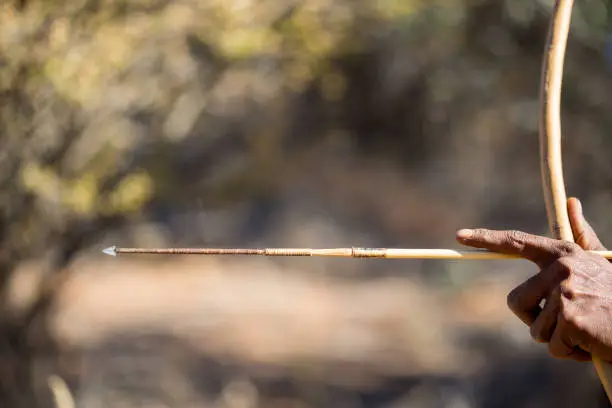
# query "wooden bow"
(550, 143)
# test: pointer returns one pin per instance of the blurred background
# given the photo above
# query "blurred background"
(312, 123)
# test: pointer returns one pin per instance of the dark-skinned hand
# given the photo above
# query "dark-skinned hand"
(575, 285)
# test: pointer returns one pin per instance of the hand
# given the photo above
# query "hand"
(576, 318)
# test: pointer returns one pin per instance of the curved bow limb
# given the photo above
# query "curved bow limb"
(550, 143)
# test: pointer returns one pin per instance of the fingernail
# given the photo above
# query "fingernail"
(464, 234)
(577, 204)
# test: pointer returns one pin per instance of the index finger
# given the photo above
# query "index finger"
(540, 250)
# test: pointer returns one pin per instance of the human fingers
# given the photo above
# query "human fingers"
(524, 300)
(584, 235)
(544, 325)
(563, 345)
(540, 250)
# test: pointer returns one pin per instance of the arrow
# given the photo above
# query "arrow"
(353, 252)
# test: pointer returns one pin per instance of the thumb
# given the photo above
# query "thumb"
(583, 233)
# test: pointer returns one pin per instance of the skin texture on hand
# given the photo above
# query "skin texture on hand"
(575, 286)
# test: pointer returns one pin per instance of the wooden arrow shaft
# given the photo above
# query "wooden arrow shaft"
(354, 252)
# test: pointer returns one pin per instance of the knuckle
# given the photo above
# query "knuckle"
(513, 300)
(567, 292)
(568, 248)
(573, 322)
(536, 333)
(564, 266)
(516, 238)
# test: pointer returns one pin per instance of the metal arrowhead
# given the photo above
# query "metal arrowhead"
(112, 251)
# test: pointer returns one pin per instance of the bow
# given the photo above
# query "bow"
(550, 143)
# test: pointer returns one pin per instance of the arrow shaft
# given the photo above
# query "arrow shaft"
(354, 252)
